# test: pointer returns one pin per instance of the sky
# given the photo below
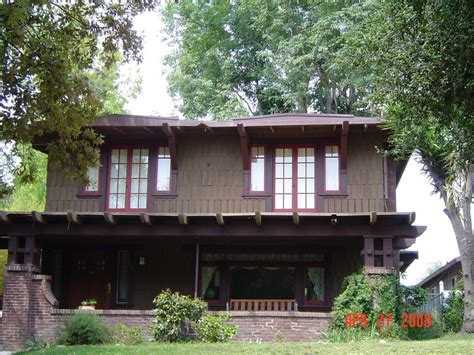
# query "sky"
(414, 192)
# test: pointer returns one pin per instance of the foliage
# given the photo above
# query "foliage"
(90, 302)
(367, 295)
(35, 343)
(84, 328)
(435, 330)
(413, 297)
(124, 335)
(48, 50)
(173, 312)
(453, 311)
(259, 57)
(420, 55)
(211, 328)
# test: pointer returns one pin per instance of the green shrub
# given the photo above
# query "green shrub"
(426, 333)
(124, 335)
(413, 297)
(213, 329)
(453, 311)
(380, 294)
(84, 328)
(173, 312)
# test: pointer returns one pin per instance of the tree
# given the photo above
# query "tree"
(420, 54)
(48, 49)
(258, 57)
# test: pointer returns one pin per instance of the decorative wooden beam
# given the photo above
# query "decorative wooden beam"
(296, 218)
(149, 130)
(411, 218)
(37, 217)
(180, 129)
(182, 219)
(110, 218)
(302, 129)
(220, 219)
(4, 217)
(272, 129)
(196, 271)
(72, 217)
(258, 218)
(145, 218)
(171, 144)
(344, 132)
(366, 126)
(244, 146)
(208, 129)
(373, 218)
(118, 130)
(334, 128)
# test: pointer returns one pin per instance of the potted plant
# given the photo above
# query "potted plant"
(88, 304)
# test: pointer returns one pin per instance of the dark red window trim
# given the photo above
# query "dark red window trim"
(128, 179)
(294, 178)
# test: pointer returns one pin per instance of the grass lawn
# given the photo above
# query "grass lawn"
(452, 344)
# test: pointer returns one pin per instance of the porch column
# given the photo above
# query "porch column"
(17, 293)
(196, 272)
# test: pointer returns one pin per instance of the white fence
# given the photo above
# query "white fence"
(433, 304)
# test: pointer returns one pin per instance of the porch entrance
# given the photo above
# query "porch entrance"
(90, 278)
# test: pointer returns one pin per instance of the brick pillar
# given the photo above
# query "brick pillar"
(17, 296)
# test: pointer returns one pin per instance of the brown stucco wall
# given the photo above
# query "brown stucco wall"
(210, 179)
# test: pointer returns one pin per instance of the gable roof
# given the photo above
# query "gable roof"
(450, 265)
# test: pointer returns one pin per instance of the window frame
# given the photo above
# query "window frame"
(83, 192)
(294, 178)
(264, 191)
(127, 301)
(128, 179)
(326, 300)
(339, 189)
(157, 192)
(219, 267)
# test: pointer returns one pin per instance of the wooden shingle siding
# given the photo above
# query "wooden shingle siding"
(210, 180)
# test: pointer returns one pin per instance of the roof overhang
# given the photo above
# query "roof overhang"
(219, 225)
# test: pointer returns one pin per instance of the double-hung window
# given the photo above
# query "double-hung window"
(257, 169)
(128, 179)
(163, 174)
(331, 158)
(294, 179)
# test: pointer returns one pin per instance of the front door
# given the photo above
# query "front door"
(90, 278)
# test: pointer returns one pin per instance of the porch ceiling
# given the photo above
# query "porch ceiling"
(222, 225)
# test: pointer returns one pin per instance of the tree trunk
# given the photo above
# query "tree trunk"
(461, 221)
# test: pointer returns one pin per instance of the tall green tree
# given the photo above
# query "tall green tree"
(249, 57)
(421, 55)
(47, 48)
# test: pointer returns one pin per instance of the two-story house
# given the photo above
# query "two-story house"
(261, 216)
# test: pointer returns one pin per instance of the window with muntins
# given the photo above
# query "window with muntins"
(331, 162)
(128, 179)
(163, 175)
(257, 169)
(294, 187)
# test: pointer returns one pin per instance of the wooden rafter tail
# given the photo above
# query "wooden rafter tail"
(258, 218)
(171, 144)
(296, 218)
(244, 146)
(373, 218)
(145, 218)
(220, 219)
(110, 218)
(183, 219)
(37, 217)
(4, 217)
(411, 218)
(72, 217)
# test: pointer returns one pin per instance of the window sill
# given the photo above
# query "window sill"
(250, 196)
(334, 194)
(164, 196)
(92, 195)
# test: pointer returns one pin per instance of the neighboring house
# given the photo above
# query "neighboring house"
(450, 275)
(262, 216)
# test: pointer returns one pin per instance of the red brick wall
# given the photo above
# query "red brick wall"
(30, 311)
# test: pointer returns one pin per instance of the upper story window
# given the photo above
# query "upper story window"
(93, 176)
(257, 169)
(163, 175)
(294, 179)
(331, 163)
(128, 179)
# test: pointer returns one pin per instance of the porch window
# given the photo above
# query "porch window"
(210, 283)
(267, 282)
(257, 169)
(128, 181)
(123, 276)
(163, 180)
(314, 285)
(295, 179)
(332, 168)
